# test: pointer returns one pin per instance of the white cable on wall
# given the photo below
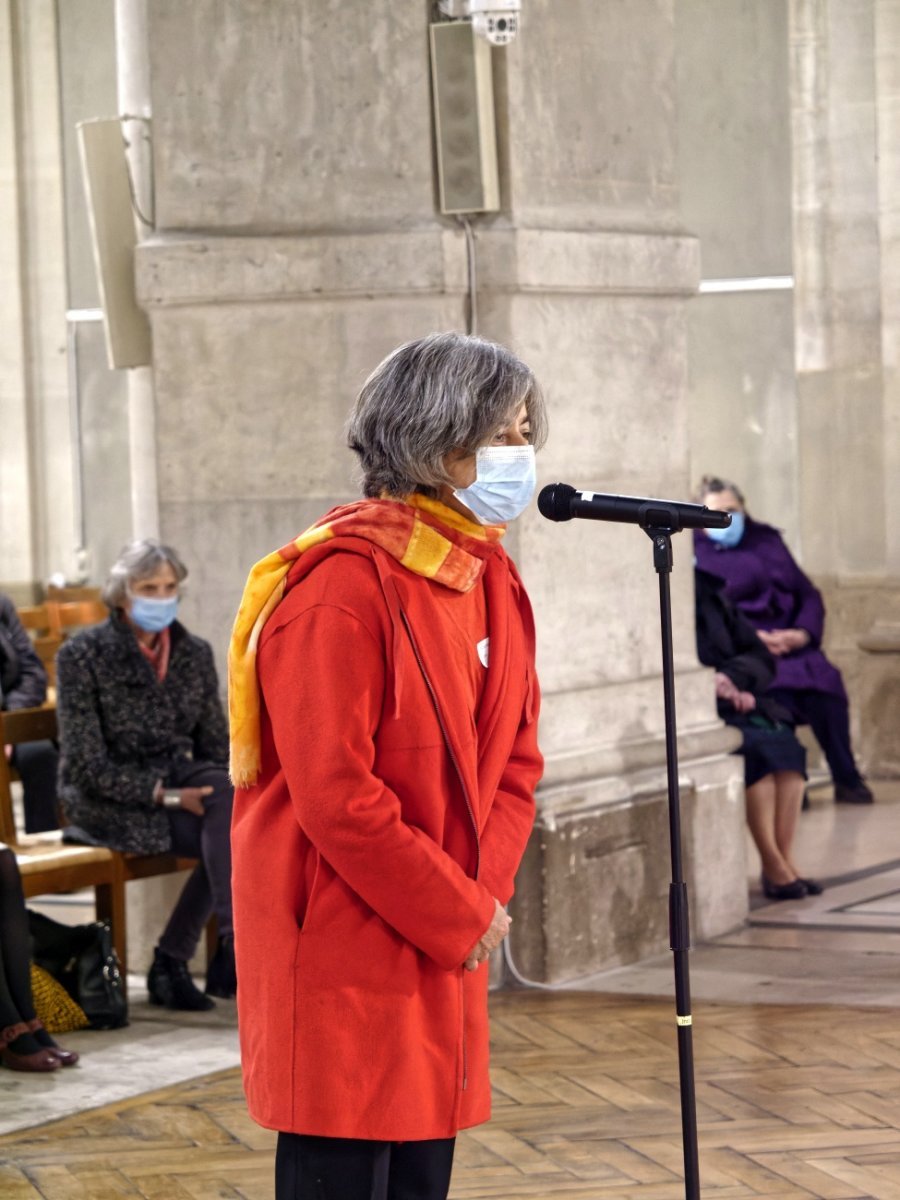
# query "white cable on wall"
(568, 985)
(472, 327)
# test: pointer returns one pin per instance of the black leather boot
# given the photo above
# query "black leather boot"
(169, 984)
(221, 978)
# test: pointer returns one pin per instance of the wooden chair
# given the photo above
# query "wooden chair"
(50, 866)
(71, 615)
(67, 595)
(43, 626)
(50, 623)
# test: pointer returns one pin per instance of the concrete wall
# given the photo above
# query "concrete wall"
(299, 243)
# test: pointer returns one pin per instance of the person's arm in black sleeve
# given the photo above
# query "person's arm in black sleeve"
(727, 641)
(30, 689)
(751, 668)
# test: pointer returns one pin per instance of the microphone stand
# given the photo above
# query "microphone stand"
(659, 521)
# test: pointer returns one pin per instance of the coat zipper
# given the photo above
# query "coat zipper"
(447, 742)
(462, 783)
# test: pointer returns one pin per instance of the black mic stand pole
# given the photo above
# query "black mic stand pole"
(659, 525)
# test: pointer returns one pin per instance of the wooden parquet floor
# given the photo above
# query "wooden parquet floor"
(793, 1102)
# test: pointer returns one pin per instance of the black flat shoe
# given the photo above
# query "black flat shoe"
(221, 977)
(812, 887)
(859, 793)
(170, 985)
(795, 890)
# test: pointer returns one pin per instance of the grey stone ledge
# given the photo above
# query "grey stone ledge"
(194, 270)
(882, 638)
(622, 773)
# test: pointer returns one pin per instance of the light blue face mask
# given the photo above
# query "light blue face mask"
(730, 537)
(504, 484)
(153, 615)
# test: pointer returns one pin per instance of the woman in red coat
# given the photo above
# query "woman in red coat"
(384, 710)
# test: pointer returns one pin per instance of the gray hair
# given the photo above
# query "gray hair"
(712, 483)
(442, 393)
(139, 560)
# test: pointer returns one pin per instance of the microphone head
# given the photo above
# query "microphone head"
(714, 518)
(555, 502)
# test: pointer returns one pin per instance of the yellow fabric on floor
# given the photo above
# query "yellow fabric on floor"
(53, 1004)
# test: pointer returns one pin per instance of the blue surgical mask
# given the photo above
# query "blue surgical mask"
(153, 615)
(730, 537)
(504, 484)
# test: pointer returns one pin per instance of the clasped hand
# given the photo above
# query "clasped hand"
(491, 939)
(782, 641)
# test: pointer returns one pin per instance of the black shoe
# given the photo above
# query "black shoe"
(795, 890)
(221, 978)
(812, 887)
(169, 984)
(857, 793)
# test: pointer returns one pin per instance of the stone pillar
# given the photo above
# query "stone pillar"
(887, 80)
(133, 74)
(16, 535)
(297, 242)
(845, 105)
(38, 507)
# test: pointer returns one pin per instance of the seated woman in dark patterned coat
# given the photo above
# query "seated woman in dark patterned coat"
(144, 747)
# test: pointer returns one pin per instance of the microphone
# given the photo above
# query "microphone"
(560, 502)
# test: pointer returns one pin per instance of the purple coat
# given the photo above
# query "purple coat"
(765, 583)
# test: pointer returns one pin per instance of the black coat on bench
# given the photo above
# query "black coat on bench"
(23, 680)
(121, 731)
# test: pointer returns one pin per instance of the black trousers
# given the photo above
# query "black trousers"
(322, 1168)
(36, 763)
(829, 718)
(208, 888)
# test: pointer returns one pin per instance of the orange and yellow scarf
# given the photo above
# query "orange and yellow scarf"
(423, 535)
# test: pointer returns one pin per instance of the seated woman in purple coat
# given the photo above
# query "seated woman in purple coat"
(787, 612)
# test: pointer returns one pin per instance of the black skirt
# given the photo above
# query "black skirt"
(768, 746)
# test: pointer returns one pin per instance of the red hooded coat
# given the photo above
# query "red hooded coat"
(368, 854)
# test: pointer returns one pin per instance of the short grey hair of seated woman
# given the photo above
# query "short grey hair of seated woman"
(138, 560)
(711, 484)
(444, 393)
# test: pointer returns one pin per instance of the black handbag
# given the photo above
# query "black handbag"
(83, 960)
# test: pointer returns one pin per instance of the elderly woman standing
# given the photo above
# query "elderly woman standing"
(384, 707)
(143, 745)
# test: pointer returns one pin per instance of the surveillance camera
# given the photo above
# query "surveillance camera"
(495, 20)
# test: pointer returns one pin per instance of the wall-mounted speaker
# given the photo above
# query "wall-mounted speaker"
(465, 131)
(114, 237)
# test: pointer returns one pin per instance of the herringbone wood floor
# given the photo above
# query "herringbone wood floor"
(792, 1102)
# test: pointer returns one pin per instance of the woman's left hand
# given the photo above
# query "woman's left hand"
(795, 639)
(192, 799)
(783, 641)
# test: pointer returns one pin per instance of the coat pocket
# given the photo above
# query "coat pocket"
(345, 944)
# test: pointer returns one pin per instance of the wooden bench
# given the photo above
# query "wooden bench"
(50, 623)
(50, 866)
(46, 636)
